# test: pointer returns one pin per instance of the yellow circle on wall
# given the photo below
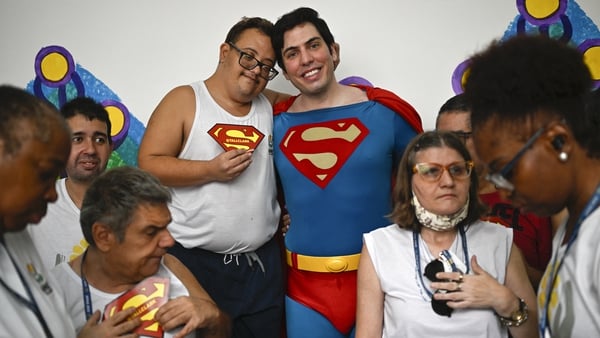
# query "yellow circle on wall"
(592, 59)
(117, 119)
(54, 67)
(541, 9)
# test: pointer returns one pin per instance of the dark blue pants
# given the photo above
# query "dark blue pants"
(253, 298)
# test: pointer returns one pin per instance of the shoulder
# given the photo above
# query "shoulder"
(395, 103)
(63, 273)
(275, 96)
(178, 102)
(485, 229)
(283, 106)
(392, 231)
(186, 92)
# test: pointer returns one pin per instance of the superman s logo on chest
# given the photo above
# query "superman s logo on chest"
(319, 150)
(233, 136)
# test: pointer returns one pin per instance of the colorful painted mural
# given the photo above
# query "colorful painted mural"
(559, 19)
(60, 79)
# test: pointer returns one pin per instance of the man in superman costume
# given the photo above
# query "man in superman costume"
(336, 148)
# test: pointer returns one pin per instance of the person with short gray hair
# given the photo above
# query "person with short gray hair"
(124, 218)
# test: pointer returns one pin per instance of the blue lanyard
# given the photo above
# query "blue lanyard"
(30, 303)
(87, 298)
(592, 204)
(463, 237)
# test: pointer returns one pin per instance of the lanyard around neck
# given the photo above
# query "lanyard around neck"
(416, 247)
(30, 303)
(87, 297)
(592, 204)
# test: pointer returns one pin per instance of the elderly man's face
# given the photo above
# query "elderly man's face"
(28, 177)
(145, 242)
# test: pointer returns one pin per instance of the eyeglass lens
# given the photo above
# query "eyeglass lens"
(433, 171)
(249, 62)
(500, 178)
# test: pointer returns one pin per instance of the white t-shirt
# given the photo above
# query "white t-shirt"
(58, 237)
(575, 301)
(16, 319)
(70, 283)
(407, 306)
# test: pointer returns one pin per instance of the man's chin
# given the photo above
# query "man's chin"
(12, 225)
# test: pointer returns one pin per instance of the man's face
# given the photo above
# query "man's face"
(145, 243)
(28, 178)
(90, 149)
(308, 62)
(460, 122)
(247, 84)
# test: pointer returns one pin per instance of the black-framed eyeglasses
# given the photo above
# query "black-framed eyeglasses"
(432, 172)
(249, 62)
(499, 178)
(464, 136)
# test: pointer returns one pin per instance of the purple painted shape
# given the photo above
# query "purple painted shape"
(553, 17)
(457, 76)
(355, 80)
(121, 135)
(583, 47)
(38, 65)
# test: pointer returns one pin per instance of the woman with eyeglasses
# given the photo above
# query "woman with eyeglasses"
(536, 126)
(439, 271)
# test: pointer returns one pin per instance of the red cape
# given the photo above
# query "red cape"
(385, 97)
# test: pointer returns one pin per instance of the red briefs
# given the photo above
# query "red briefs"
(331, 294)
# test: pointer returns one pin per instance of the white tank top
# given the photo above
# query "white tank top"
(407, 307)
(227, 217)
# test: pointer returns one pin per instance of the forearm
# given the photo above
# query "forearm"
(175, 172)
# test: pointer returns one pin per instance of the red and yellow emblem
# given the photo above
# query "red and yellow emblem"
(232, 136)
(146, 297)
(320, 150)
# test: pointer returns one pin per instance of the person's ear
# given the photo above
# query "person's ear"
(103, 236)
(224, 48)
(559, 140)
(335, 54)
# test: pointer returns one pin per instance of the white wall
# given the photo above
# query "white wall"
(142, 48)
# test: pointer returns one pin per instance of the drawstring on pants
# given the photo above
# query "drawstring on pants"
(250, 257)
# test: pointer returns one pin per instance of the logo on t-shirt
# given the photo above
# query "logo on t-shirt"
(233, 136)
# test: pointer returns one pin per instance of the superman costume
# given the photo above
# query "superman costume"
(336, 169)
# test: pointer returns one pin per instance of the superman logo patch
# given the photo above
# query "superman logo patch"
(232, 136)
(146, 297)
(320, 150)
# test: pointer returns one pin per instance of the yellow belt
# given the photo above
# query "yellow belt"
(322, 264)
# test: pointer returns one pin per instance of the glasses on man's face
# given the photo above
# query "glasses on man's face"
(432, 172)
(464, 136)
(500, 178)
(249, 62)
